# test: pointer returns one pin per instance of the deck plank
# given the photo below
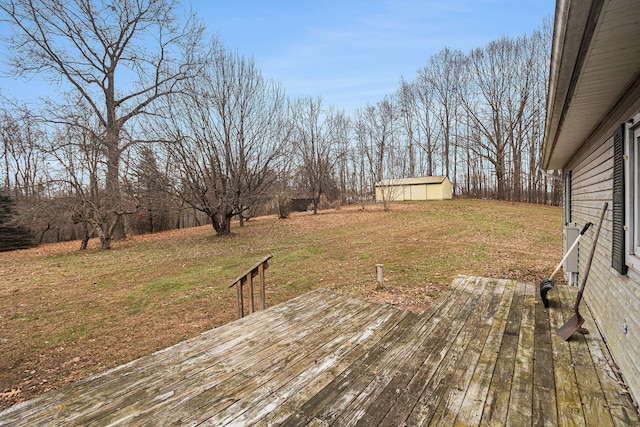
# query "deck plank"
(300, 389)
(486, 352)
(618, 400)
(594, 404)
(497, 403)
(315, 386)
(322, 405)
(474, 402)
(478, 326)
(136, 380)
(224, 366)
(316, 408)
(371, 407)
(520, 402)
(305, 366)
(261, 365)
(567, 397)
(437, 351)
(544, 397)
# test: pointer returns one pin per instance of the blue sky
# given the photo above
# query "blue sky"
(352, 52)
(349, 52)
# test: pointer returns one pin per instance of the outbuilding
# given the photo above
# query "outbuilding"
(593, 136)
(424, 188)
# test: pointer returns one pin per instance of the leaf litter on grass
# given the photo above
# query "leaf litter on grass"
(66, 314)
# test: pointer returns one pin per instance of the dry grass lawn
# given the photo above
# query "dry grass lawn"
(67, 314)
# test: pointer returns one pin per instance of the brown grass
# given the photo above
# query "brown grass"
(67, 314)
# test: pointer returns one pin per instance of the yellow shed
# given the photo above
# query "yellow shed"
(424, 188)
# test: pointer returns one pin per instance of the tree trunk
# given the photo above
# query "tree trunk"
(500, 174)
(221, 222)
(105, 242)
(84, 242)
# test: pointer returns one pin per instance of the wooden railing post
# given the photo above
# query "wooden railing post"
(262, 291)
(257, 270)
(240, 305)
(251, 306)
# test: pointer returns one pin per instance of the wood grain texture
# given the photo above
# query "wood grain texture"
(485, 353)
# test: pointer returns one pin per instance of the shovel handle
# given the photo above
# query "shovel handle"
(566, 255)
(587, 266)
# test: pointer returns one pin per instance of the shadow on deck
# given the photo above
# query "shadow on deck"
(484, 353)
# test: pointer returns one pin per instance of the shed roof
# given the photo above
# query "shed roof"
(412, 181)
(595, 64)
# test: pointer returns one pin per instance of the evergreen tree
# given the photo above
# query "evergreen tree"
(12, 236)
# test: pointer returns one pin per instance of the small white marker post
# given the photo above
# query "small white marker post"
(379, 270)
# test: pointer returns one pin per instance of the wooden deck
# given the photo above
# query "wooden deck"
(484, 354)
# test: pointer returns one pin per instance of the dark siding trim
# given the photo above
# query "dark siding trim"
(618, 255)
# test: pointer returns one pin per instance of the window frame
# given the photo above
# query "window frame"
(632, 193)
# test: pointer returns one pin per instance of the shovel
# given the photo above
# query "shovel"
(574, 323)
(547, 284)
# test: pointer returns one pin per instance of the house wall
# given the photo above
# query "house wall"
(614, 299)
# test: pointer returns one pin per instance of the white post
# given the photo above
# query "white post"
(379, 270)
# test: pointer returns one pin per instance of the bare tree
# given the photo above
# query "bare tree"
(407, 109)
(541, 46)
(319, 134)
(24, 162)
(362, 177)
(225, 135)
(119, 58)
(495, 107)
(427, 132)
(442, 77)
(77, 179)
(377, 127)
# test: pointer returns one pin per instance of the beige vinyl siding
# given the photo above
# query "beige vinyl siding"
(613, 299)
(407, 192)
(425, 188)
(418, 192)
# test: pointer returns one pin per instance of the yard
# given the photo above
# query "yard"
(66, 314)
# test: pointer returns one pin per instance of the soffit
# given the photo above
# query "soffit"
(591, 75)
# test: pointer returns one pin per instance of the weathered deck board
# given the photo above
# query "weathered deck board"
(592, 397)
(568, 405)
(486, 352)
(452, 385)
(315, 407)
(259, 366)
(476, 394)
(521, 400)
(497, 403)
(544, 397)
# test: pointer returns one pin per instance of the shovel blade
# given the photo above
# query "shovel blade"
(570, 327)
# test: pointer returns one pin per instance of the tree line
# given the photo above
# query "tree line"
(156, 125)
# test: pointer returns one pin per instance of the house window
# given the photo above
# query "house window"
(629, 214)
